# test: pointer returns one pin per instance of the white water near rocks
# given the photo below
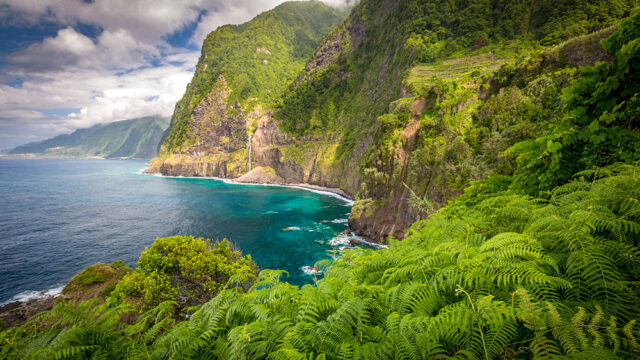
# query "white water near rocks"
(30, 295)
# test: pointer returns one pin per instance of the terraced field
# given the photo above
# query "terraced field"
(463, 69)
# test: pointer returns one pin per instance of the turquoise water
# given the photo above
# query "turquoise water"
(59, 215)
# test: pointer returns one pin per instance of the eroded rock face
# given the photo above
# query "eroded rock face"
(392, 216)
(267, 134)
(266, 152)
(217, 140)
(217, 145)
(216, 127)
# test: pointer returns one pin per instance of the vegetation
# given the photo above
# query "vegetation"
(184, 270)
(509, 277)
(95, 281)
(257, 64)
(428, 31)
(388, 50)
(136, 138)
(440, 29)
(540, 259)
(602, 121)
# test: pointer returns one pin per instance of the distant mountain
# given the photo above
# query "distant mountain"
(135, 138)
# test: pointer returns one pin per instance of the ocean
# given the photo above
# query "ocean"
(59, 215)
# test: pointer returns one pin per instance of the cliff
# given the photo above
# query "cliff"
(537, 260)
(227, 107)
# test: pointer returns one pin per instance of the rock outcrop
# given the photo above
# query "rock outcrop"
(217, 142)
(18, 312)
(94, 282)
(392, 216)
(261, 175)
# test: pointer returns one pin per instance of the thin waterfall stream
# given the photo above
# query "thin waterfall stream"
(249, 152)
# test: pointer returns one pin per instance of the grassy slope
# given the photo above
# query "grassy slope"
(136, 138)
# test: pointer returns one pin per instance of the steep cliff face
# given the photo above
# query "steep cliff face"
(466, 113)
(222, 127)
(414, 101)
(217, 144)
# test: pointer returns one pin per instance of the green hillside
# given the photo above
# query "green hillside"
(518, 155)
(136, 138)
(417, 103)
(258, 59)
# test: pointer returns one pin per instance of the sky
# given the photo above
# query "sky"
(70, 64)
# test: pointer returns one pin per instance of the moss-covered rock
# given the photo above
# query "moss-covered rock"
(95, 281)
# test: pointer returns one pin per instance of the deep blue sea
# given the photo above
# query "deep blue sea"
(59, 215)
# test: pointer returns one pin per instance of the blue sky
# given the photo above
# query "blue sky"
(69, 64)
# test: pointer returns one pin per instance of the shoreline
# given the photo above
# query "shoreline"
(322, 190)
(36, 297)
(333, 192)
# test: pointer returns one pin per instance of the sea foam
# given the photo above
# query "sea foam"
(309, 270)
(347, 201)
(343, 240)
(32, 294)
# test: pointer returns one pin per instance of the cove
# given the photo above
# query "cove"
(60, 215)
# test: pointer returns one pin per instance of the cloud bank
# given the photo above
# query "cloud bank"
(105, 60)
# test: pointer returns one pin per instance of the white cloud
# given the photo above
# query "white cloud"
(233, 12)
(101, 96)
(127, 71)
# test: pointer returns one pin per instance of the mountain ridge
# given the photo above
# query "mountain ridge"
(133, 138)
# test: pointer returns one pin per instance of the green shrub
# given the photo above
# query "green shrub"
(184, 269)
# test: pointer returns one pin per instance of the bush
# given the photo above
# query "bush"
(185, 269)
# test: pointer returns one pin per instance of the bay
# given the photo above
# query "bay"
(59, 215)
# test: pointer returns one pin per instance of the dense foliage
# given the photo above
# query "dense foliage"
(186, 270)
(258, 58)
(440, 28)
(602, 124)
(359, 85)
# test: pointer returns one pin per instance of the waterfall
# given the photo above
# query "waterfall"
(249, 154)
